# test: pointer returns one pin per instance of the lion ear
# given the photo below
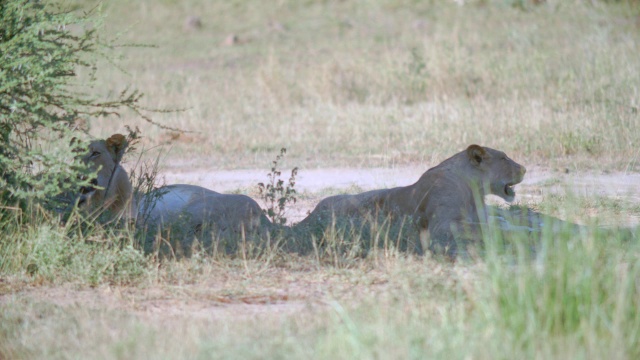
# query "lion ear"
(477, 154)
(116, 144)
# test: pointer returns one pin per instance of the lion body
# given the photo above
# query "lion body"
(181, 212)
(217, 220)
(442, 204)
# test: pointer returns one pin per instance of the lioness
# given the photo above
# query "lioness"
(188, 211)
(112, 189)
(444, 204)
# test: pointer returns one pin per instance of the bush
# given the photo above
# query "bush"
(43, 51)
(276, 194)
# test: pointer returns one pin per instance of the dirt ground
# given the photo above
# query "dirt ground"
(250, 291)
(313, 184)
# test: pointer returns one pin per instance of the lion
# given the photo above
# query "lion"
(446, 204)
(111, 189)
(185, 211)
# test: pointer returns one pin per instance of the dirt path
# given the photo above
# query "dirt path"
(314, 184)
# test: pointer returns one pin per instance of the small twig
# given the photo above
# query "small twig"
(11, 208)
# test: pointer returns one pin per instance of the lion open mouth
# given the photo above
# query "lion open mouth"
(508, 190)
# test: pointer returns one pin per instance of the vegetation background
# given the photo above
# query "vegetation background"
(385, 82)
(356, 84)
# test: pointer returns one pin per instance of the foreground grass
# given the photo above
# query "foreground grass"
(60, 298)
(577, 308)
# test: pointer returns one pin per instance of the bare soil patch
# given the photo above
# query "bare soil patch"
(314, 184)
(244, 292)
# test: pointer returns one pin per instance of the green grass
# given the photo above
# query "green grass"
(353, 84)
(47, 252)
(579, 298)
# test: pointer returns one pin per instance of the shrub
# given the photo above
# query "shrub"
(275, 194)
(43, 51)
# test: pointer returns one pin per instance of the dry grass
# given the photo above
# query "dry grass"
(212, 309)
(580, 301)
(359, 84)
(365, 83)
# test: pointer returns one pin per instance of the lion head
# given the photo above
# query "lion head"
(111, 188)
(496, 171)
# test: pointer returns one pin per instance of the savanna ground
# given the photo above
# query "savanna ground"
(363, 94)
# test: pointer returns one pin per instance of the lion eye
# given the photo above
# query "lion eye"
(95, 154)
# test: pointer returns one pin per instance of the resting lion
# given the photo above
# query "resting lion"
(111, 188)
(187, 211)
(444, 204)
